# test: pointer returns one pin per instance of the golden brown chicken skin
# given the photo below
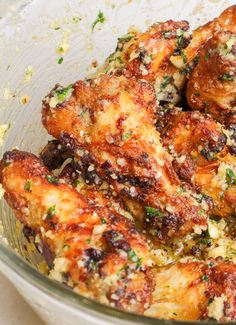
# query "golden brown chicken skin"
(195, 290)
(109, 121)
(212, 84)
(91, 248)
(225, 22)
(202, 157)
(147, 56)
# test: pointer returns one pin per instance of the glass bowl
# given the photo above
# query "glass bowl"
(32, 34)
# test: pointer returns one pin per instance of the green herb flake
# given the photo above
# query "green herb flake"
(231, 179)
(125, 38)
(61, 95)
(60, 60)
(180, 39)
(183, 56)
(165, 82)
(204, 278)
(206, 57)
(139, 263)
(152, 212)
(227, 77)
(76, 182)
(201, 212)
(88, 241)
(132, 256)
(51, 179)
(100, 19)
(57, 28)
(103, 220)
(51, 212)
(28, 186)
(197, 94)
(126, 136)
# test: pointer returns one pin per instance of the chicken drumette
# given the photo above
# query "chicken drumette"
(109, 122)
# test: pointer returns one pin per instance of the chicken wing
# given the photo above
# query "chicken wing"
(225, 22)
(195, 290)
(146, 56)
(109, 121)
(92, 249)
(212, 84)
(202, 157)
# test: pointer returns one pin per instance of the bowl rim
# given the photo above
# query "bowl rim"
(18, 265)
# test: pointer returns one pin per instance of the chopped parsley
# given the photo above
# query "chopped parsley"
(126, 136)
(28, 186)
(76, 182)
(132, 256)
(206, 57)
(60, 95)
(227, 77)
(51, 179)
(231, 179)
(201, 212)
(152, 212)
(57, 28)
(183, 56)
(103, 220)
(204, 278)
(125, 38)
(51, 212)
(88, 241)
(100, 19)
(197, 94)
(180, 39)
(165, 82)
(60, 60)
(139, 263)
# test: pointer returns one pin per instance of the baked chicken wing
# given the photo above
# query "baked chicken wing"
(195, 290)
(202, 157)
(225, 22)
(91, 248)
(147, 56)
(212, 84)
(109, 122)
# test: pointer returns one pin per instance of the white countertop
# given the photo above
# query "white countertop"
(13, 309)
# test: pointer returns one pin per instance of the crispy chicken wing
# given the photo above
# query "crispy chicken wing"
(195, 290)
(91, 248)
(202, 157)
(225, 22)
(109, 121)
(146, 56)
(212, 84)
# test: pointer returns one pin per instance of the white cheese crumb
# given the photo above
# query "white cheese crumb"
(216, 308)
(29, 72)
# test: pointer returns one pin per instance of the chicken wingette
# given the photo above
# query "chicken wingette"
(147, 56)
(91, 248)
(202, 157)
(212, 84)
(225, 22)
(109, 122)
(195, 290)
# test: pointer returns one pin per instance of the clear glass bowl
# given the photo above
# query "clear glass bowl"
(31, 35)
